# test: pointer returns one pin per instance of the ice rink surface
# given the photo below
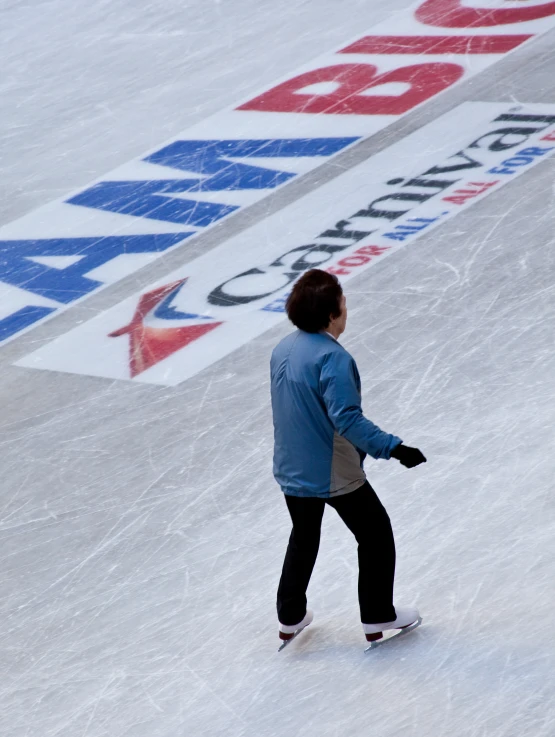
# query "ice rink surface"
(142, 533)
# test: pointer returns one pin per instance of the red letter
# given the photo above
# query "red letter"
(435, 44)
(338, 272)
(373, 250)
(452, 14)
(352, 261)
(425, 80)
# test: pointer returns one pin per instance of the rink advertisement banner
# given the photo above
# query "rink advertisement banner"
(223, 299)
(65, 251)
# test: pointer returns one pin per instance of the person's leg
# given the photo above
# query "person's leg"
(306, 515)
(365, 516)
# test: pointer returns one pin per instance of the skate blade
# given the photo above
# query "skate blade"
(400, 633)
(287, 642)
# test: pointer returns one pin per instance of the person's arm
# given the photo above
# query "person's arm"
(342, 399)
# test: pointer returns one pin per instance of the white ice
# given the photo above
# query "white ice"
(141, 531)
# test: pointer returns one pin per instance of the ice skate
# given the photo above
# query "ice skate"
(287, 633)
(407, 620)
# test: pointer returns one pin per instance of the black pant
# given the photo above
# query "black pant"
(365, 516)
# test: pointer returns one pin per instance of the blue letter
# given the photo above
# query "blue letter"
(152, 199)
(67, 285)
(21, 319)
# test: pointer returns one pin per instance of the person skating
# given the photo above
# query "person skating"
(321, 438)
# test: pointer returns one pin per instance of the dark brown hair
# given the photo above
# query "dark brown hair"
(314, 299)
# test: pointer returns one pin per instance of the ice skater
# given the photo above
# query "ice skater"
(321, 439)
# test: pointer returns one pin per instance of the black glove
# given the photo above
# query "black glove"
(408, 457)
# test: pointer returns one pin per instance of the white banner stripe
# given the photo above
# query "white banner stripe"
(220, 301)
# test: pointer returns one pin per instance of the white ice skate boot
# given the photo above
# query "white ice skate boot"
(289, 632)
(406, 619)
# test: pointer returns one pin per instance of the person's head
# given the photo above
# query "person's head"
(317, 303)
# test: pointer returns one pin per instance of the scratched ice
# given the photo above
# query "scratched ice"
(141, 531)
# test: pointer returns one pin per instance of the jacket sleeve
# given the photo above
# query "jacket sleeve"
(342, 399)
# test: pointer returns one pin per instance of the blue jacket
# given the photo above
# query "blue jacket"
(321, 436)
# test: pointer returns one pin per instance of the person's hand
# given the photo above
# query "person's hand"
(408, 457)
